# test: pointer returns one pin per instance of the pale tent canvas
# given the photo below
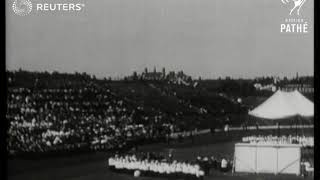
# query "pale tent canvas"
(284, 105)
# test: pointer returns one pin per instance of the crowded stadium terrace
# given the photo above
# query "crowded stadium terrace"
(56, 112)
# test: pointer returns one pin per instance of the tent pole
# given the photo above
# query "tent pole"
(297, 125)
(278, 129)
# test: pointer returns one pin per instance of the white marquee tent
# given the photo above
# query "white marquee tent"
(274, 158)
(284, 105)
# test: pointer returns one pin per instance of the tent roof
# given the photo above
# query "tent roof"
(284, 105)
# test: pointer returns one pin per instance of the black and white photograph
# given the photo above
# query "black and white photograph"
(159, 89)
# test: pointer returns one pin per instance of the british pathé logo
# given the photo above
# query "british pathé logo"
(22, 7)
(294, 24)
(296, 5)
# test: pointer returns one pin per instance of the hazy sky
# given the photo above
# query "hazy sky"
(208, 38)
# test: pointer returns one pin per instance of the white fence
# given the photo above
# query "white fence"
(276, 159)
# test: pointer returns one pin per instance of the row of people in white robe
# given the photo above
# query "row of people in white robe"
(303, 140)
(132, 163)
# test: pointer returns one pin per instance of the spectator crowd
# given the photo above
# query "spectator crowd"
(75, 115)
(302, 140)
(59, 112)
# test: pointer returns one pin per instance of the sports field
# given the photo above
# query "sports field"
(93, 166)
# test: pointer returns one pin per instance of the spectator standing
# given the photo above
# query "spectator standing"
(224, 165)
(226, 128)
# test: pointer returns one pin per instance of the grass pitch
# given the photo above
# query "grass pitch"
(93, 166)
